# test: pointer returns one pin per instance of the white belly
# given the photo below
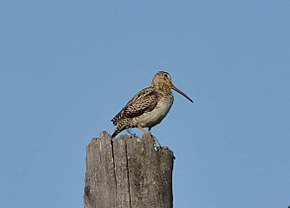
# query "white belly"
(155, 116)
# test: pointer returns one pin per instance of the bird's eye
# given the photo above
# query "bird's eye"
(165, 75)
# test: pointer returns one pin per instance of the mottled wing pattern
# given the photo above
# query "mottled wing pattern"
(142, 102)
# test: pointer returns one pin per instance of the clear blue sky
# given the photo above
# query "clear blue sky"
(67, 67)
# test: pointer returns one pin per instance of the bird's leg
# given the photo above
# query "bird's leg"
(149, 130)
(154, 138)
(141, 128)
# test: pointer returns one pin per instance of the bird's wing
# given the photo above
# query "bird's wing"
(142, 102)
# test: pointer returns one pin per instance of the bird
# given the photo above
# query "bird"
(149, 106)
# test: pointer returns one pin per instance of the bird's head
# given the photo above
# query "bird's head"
(163, 79)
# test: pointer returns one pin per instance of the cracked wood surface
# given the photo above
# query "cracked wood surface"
(127, 173)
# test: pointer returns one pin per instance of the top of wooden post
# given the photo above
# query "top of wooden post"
(128, 172)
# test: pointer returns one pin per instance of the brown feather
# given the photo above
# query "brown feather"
(142, 102)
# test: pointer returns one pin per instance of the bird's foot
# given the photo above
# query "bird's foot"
(157, 144)
(132, 135)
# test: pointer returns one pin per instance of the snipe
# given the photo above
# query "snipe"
(149, 106)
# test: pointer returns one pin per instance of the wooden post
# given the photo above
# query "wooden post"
(127, 173)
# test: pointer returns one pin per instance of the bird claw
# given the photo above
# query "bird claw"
(157, 144)
(132, 135)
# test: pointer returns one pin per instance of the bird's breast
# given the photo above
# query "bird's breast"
(156, 115)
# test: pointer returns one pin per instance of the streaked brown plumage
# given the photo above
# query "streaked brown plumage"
(149, 106)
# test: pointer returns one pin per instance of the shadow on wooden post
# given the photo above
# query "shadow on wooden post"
(127, 173)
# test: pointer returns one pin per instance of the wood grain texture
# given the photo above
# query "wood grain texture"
(127, 173)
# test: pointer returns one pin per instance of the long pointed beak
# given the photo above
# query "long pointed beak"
(180, 92)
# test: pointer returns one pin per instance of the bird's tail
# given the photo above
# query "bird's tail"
(117, 131)
(115, 134)
(121, 125)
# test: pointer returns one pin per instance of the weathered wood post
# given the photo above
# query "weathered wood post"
(127, 173)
